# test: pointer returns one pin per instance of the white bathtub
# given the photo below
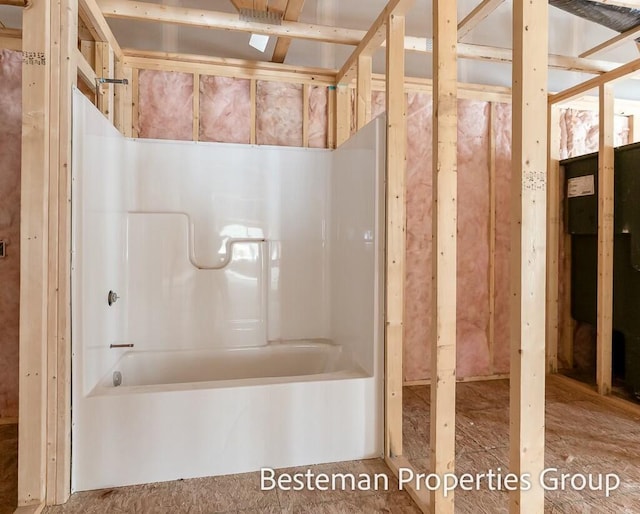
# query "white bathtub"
(193, 413)
(313, 359)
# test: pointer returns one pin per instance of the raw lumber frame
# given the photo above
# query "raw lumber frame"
(146, 11)
(554, 193)
(394, 22)
(528, 257)
(444, 243)
(604, 324)
(477, 15)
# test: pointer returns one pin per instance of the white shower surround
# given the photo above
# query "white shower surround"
(144, 212)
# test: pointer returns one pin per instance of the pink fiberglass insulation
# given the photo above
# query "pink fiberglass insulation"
(473, 239)
(378, 103)
(473, 355)
(579, 132)
(318, 128)
(225, 109)
(10, 150)
(417, 316)
(501, 347)
(278, 114)
(165, 105)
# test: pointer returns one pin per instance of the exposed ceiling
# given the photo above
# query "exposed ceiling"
(569, 35)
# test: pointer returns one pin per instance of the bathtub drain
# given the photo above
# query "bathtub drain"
(117, 378)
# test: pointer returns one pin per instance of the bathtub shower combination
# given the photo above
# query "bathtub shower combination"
(227, 305)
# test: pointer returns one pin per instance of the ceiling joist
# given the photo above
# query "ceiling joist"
(484, 9)
(614, 42)
(291, 13)
(144, 11)
(620, 73)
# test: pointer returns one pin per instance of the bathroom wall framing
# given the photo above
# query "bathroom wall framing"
(53, 64)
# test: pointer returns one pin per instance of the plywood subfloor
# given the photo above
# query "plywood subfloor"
(8, 468)
(241, 493)
(583, 436)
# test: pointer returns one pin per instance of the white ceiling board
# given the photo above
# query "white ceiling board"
(189, 40)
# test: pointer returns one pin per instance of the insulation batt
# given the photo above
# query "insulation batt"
(225, 109)
(278, 114)
(165, 105)
(10, 150)
(579, 132)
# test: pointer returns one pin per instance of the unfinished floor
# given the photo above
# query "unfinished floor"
(583, 436)
(8, 468)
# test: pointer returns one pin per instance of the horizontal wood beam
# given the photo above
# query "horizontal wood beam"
(11, 39)
(618, 73)
(614, 42)
(85, 71)
(484, 9)
(291, 13)
(93, 17)
(238, 68)
(590, 103)
(505, 55)
(145, 11)
(10, 33)
(16, 3)
(373, 39)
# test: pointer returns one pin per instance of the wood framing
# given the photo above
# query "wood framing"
(11, 39)
(395, 233)
(363, 91)
(553, 238)
(528, 257)
(237, 68)
(504, 55)
(483, 9)
(373, 39)
(305, 115)
(343, 114)
(444, 243)
(146, 11)
(120, 97)
(614, 42)
(85, 71)
(605, 241)
(127, 114)
(619, 73)
(97, 25)
(34, 269)
(291, 13)
(60, 371)
(104, 69)
(331, 117)
(492, 233)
